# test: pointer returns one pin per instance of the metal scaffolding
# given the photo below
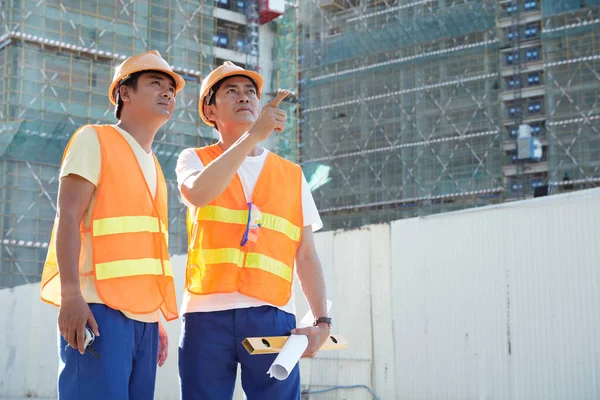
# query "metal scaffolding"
(56, 64)
(400, 108)
(285, 76)
(408, 107)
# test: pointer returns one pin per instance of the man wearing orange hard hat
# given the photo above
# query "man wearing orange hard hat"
(108, 265)
(251, 218)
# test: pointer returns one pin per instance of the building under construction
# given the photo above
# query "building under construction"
(400, 109)
(56, 64)
(413, 107)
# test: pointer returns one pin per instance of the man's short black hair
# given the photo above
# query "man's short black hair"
(132, 82)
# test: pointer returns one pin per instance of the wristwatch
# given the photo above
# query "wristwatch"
(323, 320)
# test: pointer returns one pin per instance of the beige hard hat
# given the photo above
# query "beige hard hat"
(227, 69)
(150, 60)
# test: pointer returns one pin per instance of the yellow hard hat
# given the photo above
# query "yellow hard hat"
(227, 69)
(150, 60)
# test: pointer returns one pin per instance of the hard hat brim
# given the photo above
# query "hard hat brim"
(179, 82)
(255, 76)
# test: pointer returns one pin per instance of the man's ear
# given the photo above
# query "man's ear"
(124, 93)
(209, 111)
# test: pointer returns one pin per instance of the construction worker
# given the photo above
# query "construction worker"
(108, 263)
(251, 217)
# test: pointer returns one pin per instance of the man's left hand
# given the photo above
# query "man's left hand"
(317, 336)
(163, 345)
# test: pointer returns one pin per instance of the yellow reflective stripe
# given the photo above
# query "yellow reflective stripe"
(260, 261)
(269, 221)
(222, 214)
(126, 224)
(168, 268)
(124, 268)
(281, 225)
(222, 256)
(253, 260)
(129, 224)
(165, 233)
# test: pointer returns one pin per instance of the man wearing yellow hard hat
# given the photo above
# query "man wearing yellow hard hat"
(108, 265)
(251, 218)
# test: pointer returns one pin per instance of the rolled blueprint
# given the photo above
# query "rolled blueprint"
(292, 350)
(288, 357)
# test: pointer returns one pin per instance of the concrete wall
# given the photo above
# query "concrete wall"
(493, 303)
(500, 302)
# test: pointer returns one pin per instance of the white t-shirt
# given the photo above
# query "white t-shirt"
(188, 164)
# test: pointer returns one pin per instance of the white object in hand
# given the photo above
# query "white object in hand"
(89, 337)
(288, 357)
(293, 349)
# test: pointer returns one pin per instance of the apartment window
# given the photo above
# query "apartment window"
(237, 6)
(532, 54)
(536, 129)
(510, 58)
(517, 187)
(529, 5)
(531, 31)
(535, 183)
(230, 35)
(534, 107)
(221, 39)
(514, 111)
(533, 79)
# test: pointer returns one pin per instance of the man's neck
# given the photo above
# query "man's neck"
(142, 131)
(229, 138)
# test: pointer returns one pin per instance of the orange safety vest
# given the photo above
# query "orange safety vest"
(129, 235)
(262, 269)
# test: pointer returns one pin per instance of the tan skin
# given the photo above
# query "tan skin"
(145, 110)
(242, 127)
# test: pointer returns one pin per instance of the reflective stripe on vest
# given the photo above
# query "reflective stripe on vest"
(268, 221)
(236, 257)
(124, 268)
(266, 263)
(129, 224)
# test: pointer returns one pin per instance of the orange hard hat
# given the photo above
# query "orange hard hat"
(227, 69)
(150, 60)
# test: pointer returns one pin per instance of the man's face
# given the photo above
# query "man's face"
(236, 103)
(153, 96)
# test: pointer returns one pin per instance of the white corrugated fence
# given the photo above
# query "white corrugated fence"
(500, 302)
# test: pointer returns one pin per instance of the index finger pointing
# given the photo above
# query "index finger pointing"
(279, 98)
